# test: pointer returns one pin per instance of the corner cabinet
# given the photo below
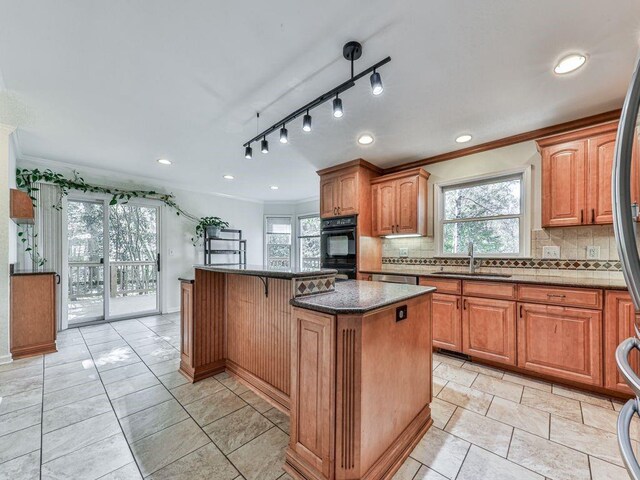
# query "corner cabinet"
(400, 203)
(619, 320)
(576, 177)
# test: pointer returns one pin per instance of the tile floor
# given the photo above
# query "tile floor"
(110, 404)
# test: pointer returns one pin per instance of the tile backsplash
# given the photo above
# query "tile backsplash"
(572, 242)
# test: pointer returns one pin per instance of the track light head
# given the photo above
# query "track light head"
(306, 122)
(376, 83)
(337, 107)
(284, 135)
(248, 152)
(264, 145)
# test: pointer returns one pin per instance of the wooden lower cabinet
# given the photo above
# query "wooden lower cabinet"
(619, 319)
(447, 322)
(561, 341)
(186, 322)
(489, 329)
(33, 314)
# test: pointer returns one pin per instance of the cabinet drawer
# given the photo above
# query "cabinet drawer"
(444, 285)
(575, 297)
(489, 289)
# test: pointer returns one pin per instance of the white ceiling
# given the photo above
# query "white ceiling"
(119, 84)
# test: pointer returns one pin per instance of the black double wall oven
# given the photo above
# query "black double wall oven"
(338, 245)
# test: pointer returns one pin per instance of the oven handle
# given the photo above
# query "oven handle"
(346, 230)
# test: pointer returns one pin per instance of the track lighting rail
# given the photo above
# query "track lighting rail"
(318, 101)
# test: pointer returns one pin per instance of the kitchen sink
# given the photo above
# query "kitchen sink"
(476, 274)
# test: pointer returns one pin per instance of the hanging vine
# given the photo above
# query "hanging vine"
(26, 179)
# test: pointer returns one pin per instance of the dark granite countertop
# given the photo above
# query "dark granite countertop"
(612, 284)
(29, 272)
(186, 279)
(265, 271)
(356, 297)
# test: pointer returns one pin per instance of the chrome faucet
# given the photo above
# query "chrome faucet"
(472, 259)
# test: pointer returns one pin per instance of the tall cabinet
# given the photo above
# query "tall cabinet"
(576, 177)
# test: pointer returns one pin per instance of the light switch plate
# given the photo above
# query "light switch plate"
(550, 252)
(403, 252)
(593, 252)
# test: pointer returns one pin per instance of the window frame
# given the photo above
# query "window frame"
(525, 211)
(266, 244)
(299, 236)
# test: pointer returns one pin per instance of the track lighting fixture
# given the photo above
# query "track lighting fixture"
(337, 107)
(376, 83)
(306, 122)
(248, 152)
(351, 51)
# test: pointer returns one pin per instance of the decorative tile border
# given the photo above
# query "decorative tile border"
(311, 286)
(539, 263)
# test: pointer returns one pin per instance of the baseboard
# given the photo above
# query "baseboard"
(6, 359)
(171, 310)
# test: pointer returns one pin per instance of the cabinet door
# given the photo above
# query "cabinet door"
(561, 341)
(489, 329)
(186, 323)
(384, 208)
(328, 197)
(600, 164)
(348, 194)
(407, 205)
(447, 322)
(619, 318)
(563, 184)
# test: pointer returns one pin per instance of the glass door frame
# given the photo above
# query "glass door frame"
(105, 317)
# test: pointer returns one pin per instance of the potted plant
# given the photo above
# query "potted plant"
(212, 225)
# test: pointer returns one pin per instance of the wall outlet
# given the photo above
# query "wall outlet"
(171, 252)
(593, 252)
(550, 252)
(403, 252)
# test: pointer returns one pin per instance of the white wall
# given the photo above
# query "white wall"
(13, 228)
(176, 230)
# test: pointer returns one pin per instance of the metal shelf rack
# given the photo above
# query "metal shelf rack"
(232, 237)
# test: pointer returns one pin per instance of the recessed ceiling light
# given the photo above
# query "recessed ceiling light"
(464, 138)
(273, 187)
(228, 177)
(570, 63)
(365, 139)
(164, 161)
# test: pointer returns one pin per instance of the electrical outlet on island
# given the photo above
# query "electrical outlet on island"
(550, 252)
(403, 252)
(593, 252)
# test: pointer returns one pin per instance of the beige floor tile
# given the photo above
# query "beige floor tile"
(23, 363)
(280, 419)
(256, 401)
(583, 396)
(173, 379)
(527, 381)
(520, 416)
(425, 473)
(601, 470)
(441, 412)
(482, 431)
(191, 392)
(170, 366)
(211, 408)
(498, 387)
(466, 397)
(152, 420)
(408, 470)
(206, 462)
(140, 400)
(128, 472)
(11, 403)
(75, 412)
(441, 452)
(78, 435)
(73, 394)
(448, 359)
(14, 421)
(233, 383)
(67, 368)
(18, 373)
(483, 465)
(607, 419)
(231, 432)
(91, 462)
(26, 467)
(263, 457)
(548, 458)
(19, 385)
(437, 384)
(554, 404)
(121, 373)
(114, 358)
(19, 443)
(590, 440)
(455, 374)
(70, 380)
(130, 385)
(490, 371)
(166, 446)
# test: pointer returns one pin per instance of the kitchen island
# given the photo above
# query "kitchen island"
(352, 365)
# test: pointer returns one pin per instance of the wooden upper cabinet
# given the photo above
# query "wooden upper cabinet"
(328, 197)
(576, 176)
(619, 320)
(348, 194)
(21, 208)
(563, 187)
(400, 203)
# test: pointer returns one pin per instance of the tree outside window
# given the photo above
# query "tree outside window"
(278, 242)
(309, 242)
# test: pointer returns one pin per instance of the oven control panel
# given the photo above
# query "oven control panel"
(339, 222)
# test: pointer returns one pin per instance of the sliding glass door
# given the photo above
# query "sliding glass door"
(113, 260)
